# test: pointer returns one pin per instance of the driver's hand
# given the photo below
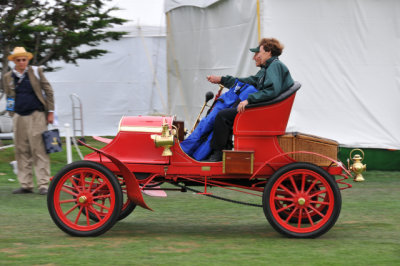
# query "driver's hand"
(214, 79)
(242, 106)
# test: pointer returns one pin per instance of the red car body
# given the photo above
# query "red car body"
(299, 199)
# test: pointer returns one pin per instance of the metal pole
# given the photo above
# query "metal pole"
(68, 143)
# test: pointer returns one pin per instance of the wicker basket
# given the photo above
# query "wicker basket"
(303, 142)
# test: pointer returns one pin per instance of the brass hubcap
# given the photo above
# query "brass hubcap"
(301, 201)
(82, 199)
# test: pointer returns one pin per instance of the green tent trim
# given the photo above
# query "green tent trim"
(375, 159)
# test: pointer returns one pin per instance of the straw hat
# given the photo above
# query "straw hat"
(18, 52)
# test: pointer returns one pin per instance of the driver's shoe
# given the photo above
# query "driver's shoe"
(216, 156)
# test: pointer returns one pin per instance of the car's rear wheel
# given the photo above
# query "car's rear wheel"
(301, 200)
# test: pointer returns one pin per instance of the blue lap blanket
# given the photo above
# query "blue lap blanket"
(197, 145)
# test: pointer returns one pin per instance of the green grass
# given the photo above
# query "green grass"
(189, 229)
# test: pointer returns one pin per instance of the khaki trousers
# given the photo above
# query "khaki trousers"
(29, 149)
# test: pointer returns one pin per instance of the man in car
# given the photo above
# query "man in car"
(271, 80)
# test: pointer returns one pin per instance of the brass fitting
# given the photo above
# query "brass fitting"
(165, 140)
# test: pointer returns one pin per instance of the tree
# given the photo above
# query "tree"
(55, 30)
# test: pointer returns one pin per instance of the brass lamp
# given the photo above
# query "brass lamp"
(166, 140)
(357, 166)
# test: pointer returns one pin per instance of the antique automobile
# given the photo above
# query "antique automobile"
(297, 177)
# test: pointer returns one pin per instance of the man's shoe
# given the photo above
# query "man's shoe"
(43, 191)
(216, 156)
(22, 191)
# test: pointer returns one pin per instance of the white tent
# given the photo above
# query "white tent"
(345, 53)
(129, 80)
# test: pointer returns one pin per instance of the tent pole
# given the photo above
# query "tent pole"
(258, 20)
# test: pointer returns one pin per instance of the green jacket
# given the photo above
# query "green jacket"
(272, 79)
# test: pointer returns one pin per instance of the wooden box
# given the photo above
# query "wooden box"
(238, 162)
(303, 142)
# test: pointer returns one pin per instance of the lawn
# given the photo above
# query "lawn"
(190, 229)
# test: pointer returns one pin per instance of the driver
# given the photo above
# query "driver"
(271, 80)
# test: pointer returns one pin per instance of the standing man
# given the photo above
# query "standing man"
(271, 80)
(30, 101)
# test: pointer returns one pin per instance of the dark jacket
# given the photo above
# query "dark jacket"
(272, 79)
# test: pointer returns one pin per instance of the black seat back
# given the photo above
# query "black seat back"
(284, 95)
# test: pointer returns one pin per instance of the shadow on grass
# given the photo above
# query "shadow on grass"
(255, 230)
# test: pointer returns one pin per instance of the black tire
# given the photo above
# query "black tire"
(127, 206)
(74, 191)
(126, 211)
(302, 203)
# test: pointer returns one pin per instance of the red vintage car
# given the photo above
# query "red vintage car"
(300, 187)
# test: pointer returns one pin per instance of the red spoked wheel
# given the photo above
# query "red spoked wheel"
(82, 188)
(316, 202)
(127, 206)
(302, 200)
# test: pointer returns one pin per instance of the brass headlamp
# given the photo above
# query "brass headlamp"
(166, 139)
(357, 167)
